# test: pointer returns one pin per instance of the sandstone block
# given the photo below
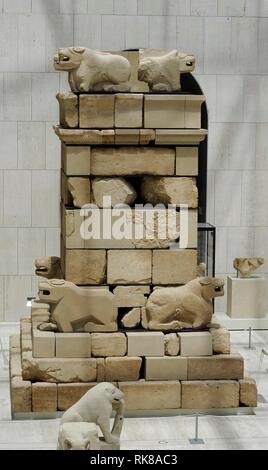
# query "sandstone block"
(15, 363)
(174, 266)
(21, 395)
(57, 370)
(147, 136)
(131, 296)
(119, 190)
(68, 103)
(100, 369)
(127, 136)
(26, 344)
(69, 394)
(165, 368)
(108, 344)
(179, 136)
(174, 190)
(71, 226)
(207, 394)
(96, 111)
(85, 136)
(129, 267)
(122, 368)
(25, 328)
(218, 367)
(44, 397)
(128, 110)
(193, 105)
(38, 308)
(196, 343)
(145, 343)
(120, 161)
(187, 161)
(220, 340)
(85, 267)
(73, 345)
(14, 343)
(156, 395)
(172, 344)
(248, 392)
(80, 190)
(132, 319)
(43, 343)
(165, 110)
(75, 160)
(66, 196)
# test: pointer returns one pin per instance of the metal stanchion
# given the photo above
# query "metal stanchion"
(250, 339)
(196, 439)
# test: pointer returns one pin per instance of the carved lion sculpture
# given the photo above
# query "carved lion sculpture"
(161, 68)
(73, 308)
(246, 266)
(96, 406)
(93, 70)
(78, 436)
(48, 267)
(188, 306)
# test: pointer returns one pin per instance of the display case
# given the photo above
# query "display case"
(206, 247)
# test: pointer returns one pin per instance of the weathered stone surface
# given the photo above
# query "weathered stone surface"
(206, 394)
(127, 136)
(78, 309)
(43, 343)
(69, 394)
(193, 104)
(132, 319)
(75, 160)
(72, 227)
(68, 103)
(220, 340)
(132, 161)
(96, 111)
(80, 190)
(147, 136)
(187, 161)
(248, 392)
(128, 110)
(85, 267)
(174, 190)
(174, 266)
(58, 369)
(15, 363)
(179, 136)
(85, 136)
(21, 395)
(26, 344)
(129, 267)
(172, 344)
(26, 328)
(66, 196)
(73, 345)
(155, 395)
(100, 369)
(246, 266)
(165, 110)
(122, 368)
(218, 367)
(131, 296)
(44, 397)
(14, 343)
(108, 344)
(165, 368)
(145, 343)
(119, 190)
(197, 343)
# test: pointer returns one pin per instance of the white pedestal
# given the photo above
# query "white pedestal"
(247, 298)
(240, 323)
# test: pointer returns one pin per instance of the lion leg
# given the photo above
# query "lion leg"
(118, 420)
(173, 325)
(104, 424)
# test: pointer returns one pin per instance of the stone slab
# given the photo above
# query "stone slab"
(165, 368)
(248, 392)
(149, 343)
(75, 160)
(72, 223)
(128, 109)
(131, 296)
(179, 136)
(85, 267)
(96, 111)
(170, 190)
(173, 266)
(122, 368)
(108, 344)
(21, 395)
(127, 137)
(44, 397)
(196, 343)
(186, 161)
(208, 394)
(73, 344)
(129, 266)
(69, 394)
(68, 104)
(43, 343)
(85, 136)
(217, 367)
(155, 395)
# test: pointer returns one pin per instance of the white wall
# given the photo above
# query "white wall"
(230, 40)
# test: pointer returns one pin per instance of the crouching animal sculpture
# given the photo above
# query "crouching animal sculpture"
(96, 407)
(246, 266)
(188, 306)
(73, 308)
(78, 436)
(93, 70)
(161, 68)
(48, 267)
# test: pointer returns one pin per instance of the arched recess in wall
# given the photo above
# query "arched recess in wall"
(190, 85)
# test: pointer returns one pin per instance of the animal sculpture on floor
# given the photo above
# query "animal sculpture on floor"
(188, 306)
(91, 71)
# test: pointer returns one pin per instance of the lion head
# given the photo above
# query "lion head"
(187, 63)
(68, 58)
(48, 267)
(211, 287)
(51, 291)
(113, 393)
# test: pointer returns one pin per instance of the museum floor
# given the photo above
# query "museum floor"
(174, 432)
